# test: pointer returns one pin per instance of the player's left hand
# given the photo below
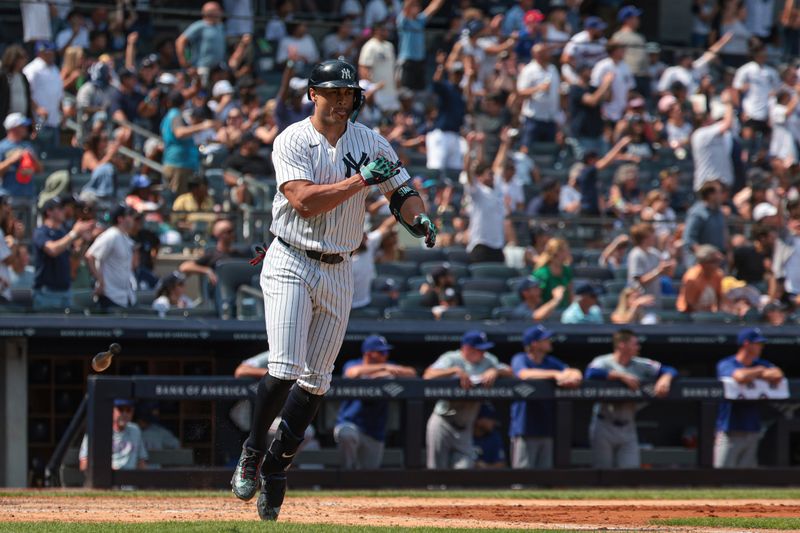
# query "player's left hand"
(424, 225)
(379, 171)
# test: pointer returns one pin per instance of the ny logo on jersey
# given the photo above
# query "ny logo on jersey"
(346, 74)
(353, 166)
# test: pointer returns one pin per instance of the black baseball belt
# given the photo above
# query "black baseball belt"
(331, 259)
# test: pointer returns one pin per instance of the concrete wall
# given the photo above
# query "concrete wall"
(13, 413)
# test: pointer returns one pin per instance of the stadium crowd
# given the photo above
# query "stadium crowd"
(579, 172)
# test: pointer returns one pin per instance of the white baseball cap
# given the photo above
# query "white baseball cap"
(222, 87)
(15, 120)
(764, 210)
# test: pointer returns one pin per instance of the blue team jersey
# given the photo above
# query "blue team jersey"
(738, 416)
(369, 415)
(533, 418)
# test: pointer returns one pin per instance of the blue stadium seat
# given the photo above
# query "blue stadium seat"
(366, 312)
(595, 273)
(466, 313)
(477, 298)
(410, 300)
(231, 273)
(493, 271)
(423, 255)
(400, 269)
(420, 313)
(457, 254)
(509, 299)
(459, 270)
(495, 286)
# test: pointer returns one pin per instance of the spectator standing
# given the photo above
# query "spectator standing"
(128, 103)
(539, 85)
(52, 246)
(448, 435)
(46, 91)
(411, 23)
(645, 262)
(376, 63)
(712, 149)
(532, 423)
(621, 85)
(94, 99)
(364, 262)
(760, 17)
(531, 306)
(443, 142)
(205, 40)
(533, 33)
(181, 155)
(487, 210)
(635, 55)
(360, 431)
(786, 261)
(584, 111)
(7, 246)
(299, 47)
(705, 222)
(514, 20)
(701, 286)
(703, 13)
(585, 48)
(15, 90)
(612, 431)
(756, 82)
(76, 34)
(110, 261)
(739, 423)
(291, 105)
(128, 451)
(18, 161)
(584, 310)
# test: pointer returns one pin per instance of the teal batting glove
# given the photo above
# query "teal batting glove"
(379, 171)
(424, 226)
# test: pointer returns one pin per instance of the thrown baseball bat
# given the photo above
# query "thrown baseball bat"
(102, 360)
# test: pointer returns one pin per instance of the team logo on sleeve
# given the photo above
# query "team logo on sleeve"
(353, 166)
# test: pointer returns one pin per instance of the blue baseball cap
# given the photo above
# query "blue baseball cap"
(477, 339)
(44, 46)
(123, 402)
(594, 23)
(528, 283)
(536, 333)
(140, 181)
(587, 288)
(627, 12)
(751, 335)
(375, 343)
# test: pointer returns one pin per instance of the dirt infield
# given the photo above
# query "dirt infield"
(409, 512)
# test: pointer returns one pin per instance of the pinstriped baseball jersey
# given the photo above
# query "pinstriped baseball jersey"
(302, 153)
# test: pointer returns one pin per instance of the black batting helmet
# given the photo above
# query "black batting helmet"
(336, 73)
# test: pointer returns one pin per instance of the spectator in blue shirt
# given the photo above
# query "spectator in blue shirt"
(181, 155)
(360, 429)
(51, 250)
(18, 160)
(739, 423)
(584, 310)
(206, 39)
(411, 42)
(443, 143)
(531, 34)
(531, 422)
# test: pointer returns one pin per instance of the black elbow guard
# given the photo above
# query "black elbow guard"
(399, 197)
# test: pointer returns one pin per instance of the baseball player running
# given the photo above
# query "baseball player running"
(325, 166)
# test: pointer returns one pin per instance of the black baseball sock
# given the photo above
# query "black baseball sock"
(298, 412)
(270, 398)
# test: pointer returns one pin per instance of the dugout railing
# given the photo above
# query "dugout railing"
(701, 394)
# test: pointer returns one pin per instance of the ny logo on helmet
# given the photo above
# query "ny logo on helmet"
(346, 74)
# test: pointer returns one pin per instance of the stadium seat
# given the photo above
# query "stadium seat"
(198, 312)
(609, 301)
(621, 273)
(493, 271)
(249, 303)
(495, 286)
(594, 273)
(509, 299)
(410, 300)
(668, 302)
(419, 313)
(145, 297)
(457, 254)
(400, 269)
(590, 257)
(707, 317)
(674, 317)
(466, 313)
(459, 270)
(475, 298)
(399, 283)
(380, 300)
(366, 312)
(422, 255)
(231, 273)
(615, 286)
(415, 282)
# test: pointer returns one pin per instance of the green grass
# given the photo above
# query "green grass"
(739, 523)
(688, 493)
(225, 527)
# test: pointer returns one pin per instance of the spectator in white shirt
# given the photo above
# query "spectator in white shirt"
(569, 197)
(376, 63)
(623, 81)
(584, 48)
(364, 262)
(690, 72)
(76, 34)
(760, 17)
(539, 84)
(298, 40)
(782, 147)
(340, 42)
(756, 83)
(712, 148)
(487, 209)
(47, 90)
(110, 261)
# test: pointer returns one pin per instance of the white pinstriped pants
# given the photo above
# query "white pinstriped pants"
(306, 308)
